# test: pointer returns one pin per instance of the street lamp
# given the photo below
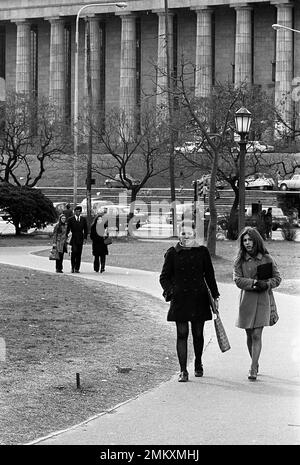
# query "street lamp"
(280, 26)
(242, 123)
(75, 116)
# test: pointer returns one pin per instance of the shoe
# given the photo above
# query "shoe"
(77, 271)
(72, 271)
(58, 271)
(102, 270)
(252, 374)
(183, 377)
(199, 372)
(96, 271)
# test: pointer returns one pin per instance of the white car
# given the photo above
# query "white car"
(253, 146)
(256, 146)
(293, 183)
(259, 181)
(116, 181)
(189, 147)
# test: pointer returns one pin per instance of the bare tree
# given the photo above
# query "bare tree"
(31, 134)
(120, 152)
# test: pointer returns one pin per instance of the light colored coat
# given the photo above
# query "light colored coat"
(254, 307)
(60, 239)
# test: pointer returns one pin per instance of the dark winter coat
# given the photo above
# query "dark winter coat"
(98, 246)
(182, 279)
(78, 229)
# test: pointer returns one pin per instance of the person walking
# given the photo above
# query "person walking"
(68, 212)
(60, 241)
(99, 248)
(186, 270)
(268, 223)
(77, 225)
(256, 297)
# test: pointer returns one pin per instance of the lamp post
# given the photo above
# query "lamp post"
(280, 26)
(242, 122)
(75, 115)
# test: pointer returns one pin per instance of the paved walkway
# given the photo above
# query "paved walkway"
(223, 407)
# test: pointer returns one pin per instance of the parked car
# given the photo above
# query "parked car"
(181, 209)
(60, 206)
(116, 182)
(253, 146)
(118, 216)
(279, 219)
(290, 184)
(189, 147)
(256, 146)
(259, 181)
(96, 205)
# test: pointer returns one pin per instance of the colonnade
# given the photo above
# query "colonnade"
(203, 58)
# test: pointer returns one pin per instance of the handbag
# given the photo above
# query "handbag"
(54, 254)
(107, 241)
(219, 328)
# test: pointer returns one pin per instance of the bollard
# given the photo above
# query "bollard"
(78, 380)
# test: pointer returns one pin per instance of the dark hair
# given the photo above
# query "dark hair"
(78, 207)
(258, 243)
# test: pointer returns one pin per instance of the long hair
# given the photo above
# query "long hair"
(258, 244)
(59, 227)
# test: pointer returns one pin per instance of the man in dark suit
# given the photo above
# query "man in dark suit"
(77, 225)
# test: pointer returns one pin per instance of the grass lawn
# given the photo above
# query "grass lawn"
(55, 328)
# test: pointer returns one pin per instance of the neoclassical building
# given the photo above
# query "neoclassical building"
(221, 39)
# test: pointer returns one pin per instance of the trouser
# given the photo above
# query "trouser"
(59, 262)
(182, 340)
(97, 260)
(76, 256)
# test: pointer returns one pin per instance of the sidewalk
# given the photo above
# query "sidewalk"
(223, 407)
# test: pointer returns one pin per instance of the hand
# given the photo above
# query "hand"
(261, 285)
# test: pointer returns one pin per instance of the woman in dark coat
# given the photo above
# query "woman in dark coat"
(256, 297)
(99, 249)
(186, 268)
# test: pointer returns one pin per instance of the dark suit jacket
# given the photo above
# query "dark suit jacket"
(78, 229)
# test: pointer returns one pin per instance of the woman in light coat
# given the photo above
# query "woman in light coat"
(256, 298)
(60, 241)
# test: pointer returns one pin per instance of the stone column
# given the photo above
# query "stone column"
(23, 79)
(128, 90)
(243, 46)
(203, 78)
(284, 62)
(161, 82)
(57, 67)
(93, 22)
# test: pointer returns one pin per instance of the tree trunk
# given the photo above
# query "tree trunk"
(212, 227)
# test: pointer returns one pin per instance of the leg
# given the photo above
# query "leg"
(102, 259)
(198, 342)
(249, 341)
(181, 344)
(256, 346)
(73, 257)
(78, 257)
(96, 263)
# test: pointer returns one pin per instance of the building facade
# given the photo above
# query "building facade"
(220, 39)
